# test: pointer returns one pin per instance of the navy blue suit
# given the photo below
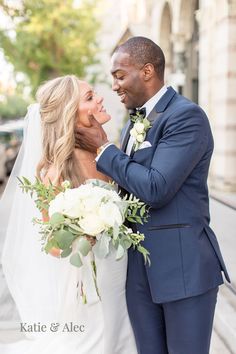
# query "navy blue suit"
(186, 262)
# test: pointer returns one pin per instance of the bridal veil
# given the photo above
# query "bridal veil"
(32, 277)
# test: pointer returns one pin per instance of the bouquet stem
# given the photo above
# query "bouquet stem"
(94, 269)
(83, 295)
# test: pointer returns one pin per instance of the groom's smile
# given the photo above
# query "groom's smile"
(122, 96)
(128, 80)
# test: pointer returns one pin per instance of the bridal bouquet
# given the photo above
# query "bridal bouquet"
(94, 209)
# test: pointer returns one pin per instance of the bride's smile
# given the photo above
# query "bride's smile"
(91, 102)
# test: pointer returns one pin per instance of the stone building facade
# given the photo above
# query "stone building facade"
(199, 41)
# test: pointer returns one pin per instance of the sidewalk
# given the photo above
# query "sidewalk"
(223, 222)
(226, 198)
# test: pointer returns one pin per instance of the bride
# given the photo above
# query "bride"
(46, 289)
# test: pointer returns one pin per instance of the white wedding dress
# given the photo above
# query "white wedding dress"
(105, 323)
(47, 290)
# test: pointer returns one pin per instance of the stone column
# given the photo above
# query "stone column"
(217, 86)
(178, 77)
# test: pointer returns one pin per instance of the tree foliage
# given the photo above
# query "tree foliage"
(14, 106)
(50, 37)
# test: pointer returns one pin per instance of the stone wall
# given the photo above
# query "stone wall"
(199, 41)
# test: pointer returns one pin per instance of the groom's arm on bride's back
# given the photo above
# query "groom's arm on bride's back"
(186, 138)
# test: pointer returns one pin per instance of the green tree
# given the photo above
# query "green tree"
(50, 37)
(14, 106)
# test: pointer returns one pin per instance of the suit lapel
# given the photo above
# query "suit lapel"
(125, 135)
(153, 115)
(160, 107)
(165, 100)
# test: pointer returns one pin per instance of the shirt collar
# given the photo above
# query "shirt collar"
(150, 104)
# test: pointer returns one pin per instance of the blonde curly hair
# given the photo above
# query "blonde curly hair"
(59, 102)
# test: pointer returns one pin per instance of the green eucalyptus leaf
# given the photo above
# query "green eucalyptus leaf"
(64, 238)
(75, 260)
(76, 228)
(145, 254)
(120, 252)
(100, 183)
(131, 219)
(139, 220)
(101, 247)
(115, 243)
(116, 230)
(126, 243)
(65, 253)
(56, 218)
(143, 210)
(50, 244)
(83, 246)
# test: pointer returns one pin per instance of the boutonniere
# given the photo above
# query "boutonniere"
(139, 130)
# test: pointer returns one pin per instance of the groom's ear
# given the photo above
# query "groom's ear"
(148, 71)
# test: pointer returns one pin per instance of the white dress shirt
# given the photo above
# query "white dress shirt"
(149, 105)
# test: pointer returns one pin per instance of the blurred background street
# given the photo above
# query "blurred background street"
(48, 38)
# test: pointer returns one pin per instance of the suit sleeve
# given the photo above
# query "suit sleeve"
(184, 142)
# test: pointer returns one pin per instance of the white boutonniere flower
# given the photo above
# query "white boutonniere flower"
(139, 130)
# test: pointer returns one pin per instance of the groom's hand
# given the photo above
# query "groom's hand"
(90, 138)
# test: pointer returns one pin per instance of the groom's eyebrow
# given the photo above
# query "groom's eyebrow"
(117, 71)
(113, 72)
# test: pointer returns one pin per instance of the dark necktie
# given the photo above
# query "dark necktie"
(140, 111)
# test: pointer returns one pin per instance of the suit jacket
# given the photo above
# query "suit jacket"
(171, 177)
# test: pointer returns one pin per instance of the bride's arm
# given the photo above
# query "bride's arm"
(50, 176)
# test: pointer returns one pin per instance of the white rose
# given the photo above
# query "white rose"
(101, 192)
(81, 200)
(57, 205)
(139, 127)
(91, 204)
(110, 214)
(92, 224)
(140, 138)
(113, 196)
(73, 210)
(93, 201)
(71, 195)
(84, 191)
(72, 203)
(133, 133)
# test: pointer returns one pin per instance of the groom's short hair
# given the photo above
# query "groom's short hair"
(143, 50)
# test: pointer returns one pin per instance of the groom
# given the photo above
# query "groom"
(172, 302)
